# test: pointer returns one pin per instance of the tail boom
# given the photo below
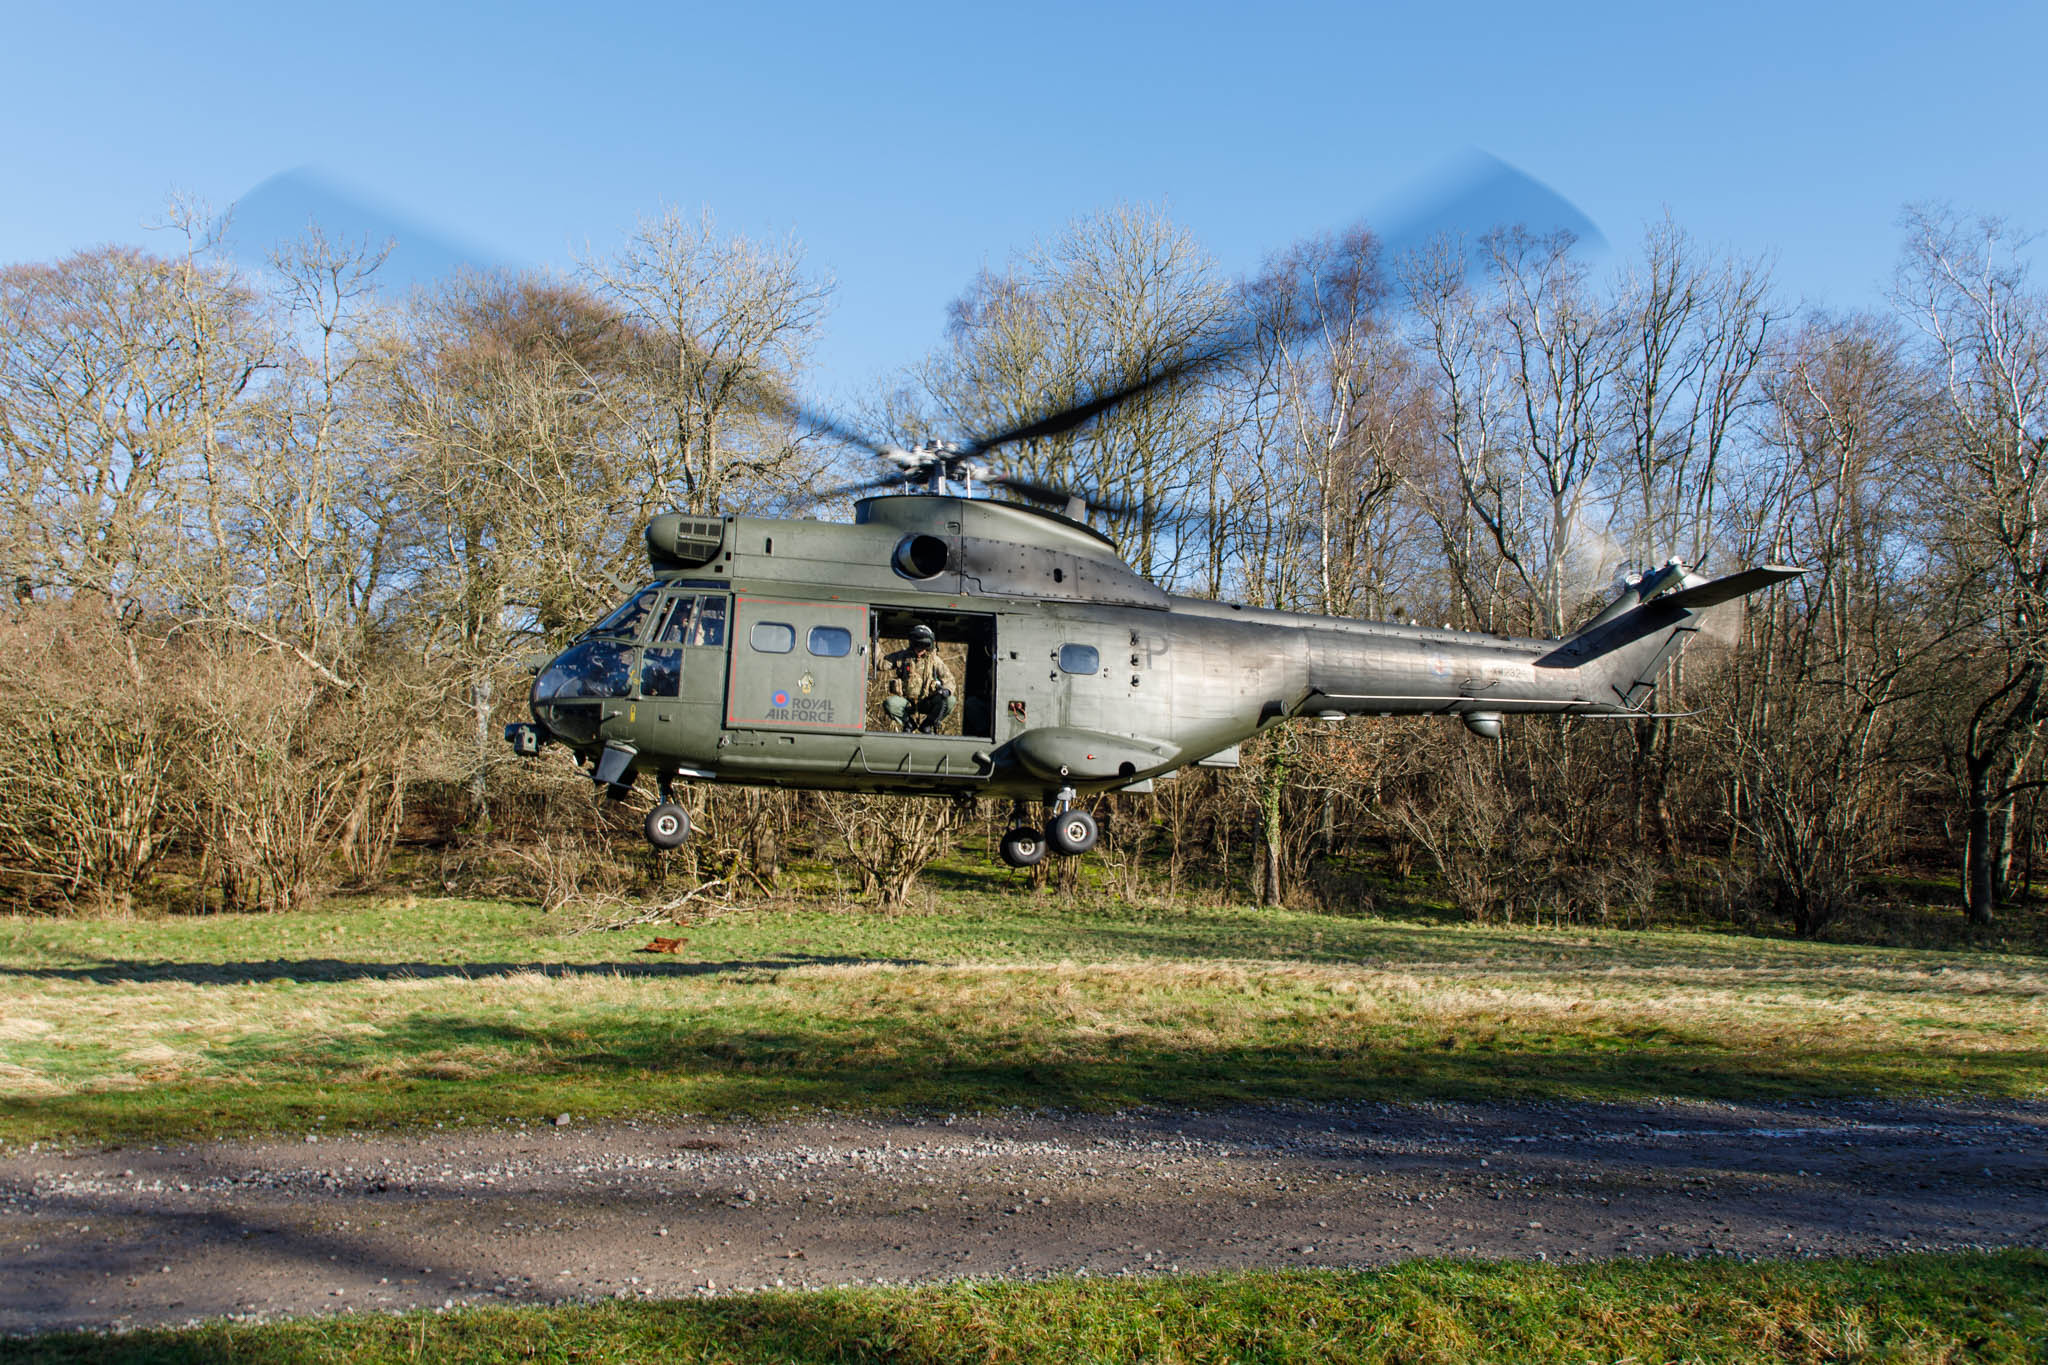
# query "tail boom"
(1609, 667)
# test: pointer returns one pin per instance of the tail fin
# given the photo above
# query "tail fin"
(1635, 635)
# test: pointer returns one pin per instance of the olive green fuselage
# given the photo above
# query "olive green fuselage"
(1071, 671)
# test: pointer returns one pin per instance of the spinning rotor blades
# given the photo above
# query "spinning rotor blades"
(1483, 196)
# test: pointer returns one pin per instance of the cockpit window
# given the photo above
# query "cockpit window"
(626, 620)
(595, 668)
(675, 627)
(710, 622)
(661, 672)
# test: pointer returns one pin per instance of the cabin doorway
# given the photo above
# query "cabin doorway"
(965, 645)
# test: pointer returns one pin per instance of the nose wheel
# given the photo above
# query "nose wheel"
(668, 825)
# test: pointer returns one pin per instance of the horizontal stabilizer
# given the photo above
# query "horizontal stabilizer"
(1616, 629)
(1714, 593)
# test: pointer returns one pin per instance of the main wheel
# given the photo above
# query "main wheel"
(668, 825)
(1023, 847)
(1072, 833)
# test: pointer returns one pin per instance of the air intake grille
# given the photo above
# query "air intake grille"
(675, 540)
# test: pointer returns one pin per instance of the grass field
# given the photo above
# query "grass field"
(1962, 1307)
(375, 1013)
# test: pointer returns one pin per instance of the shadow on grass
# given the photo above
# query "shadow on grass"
(970, 878)
(745, 1060)
(1519, 953)
(336, 969)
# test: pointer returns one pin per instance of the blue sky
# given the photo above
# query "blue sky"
(907, 146)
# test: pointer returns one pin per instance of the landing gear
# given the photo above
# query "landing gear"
(1072, 833)
(1023, 847)
(668, 825)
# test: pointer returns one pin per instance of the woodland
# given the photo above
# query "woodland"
(284, 544)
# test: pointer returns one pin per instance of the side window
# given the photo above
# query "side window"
(830, 642)
(710, 628)
(661, 672)
(773, 637)
(675, 627)
(1080, 659)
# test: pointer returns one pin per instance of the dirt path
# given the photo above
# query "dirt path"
(123, 1237)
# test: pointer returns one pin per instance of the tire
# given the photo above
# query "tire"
(1023, 847)
(1072, 834)
(668, 825)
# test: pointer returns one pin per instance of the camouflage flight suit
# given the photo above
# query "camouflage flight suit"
(920, 689)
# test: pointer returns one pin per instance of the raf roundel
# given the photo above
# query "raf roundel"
(779, 699)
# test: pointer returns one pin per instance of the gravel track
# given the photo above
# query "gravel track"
(122, 1237)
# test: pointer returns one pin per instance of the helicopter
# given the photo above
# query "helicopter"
(767, 651)
(763, 648)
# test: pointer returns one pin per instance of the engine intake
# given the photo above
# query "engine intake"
(678, 541)
(922, 557)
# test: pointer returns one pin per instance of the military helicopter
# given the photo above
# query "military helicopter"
(765, 651)
(762, 649)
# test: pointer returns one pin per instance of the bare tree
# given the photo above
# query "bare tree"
(1693, 331)
(85, 757)
(1965, 284)
(525, 502)
(891, 839)
(121, 380)
(1820, 717)
(710, 323)
(1117, 296)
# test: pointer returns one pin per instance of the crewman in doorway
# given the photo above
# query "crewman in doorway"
(920, 685)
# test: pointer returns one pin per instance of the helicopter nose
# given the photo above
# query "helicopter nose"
(568, 694)
(527, 737)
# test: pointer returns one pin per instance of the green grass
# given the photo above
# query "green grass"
(1924, 1308)
(373, 1013)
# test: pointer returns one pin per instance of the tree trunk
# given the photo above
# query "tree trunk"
(479, 773)
(1979, 885)
(1269, 810)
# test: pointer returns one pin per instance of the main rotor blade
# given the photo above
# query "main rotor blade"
(1058, 423)
(1036, 492)
(771, 398)
(1485, 195)
(1480, 196)
(1053, 495)
(764, 394)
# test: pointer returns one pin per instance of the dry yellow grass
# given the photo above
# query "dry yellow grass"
(1422, 1013)
(114, 1034)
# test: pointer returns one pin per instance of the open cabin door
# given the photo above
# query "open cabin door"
(797, 666)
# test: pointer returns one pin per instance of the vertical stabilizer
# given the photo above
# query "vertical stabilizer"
(1635, 636)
